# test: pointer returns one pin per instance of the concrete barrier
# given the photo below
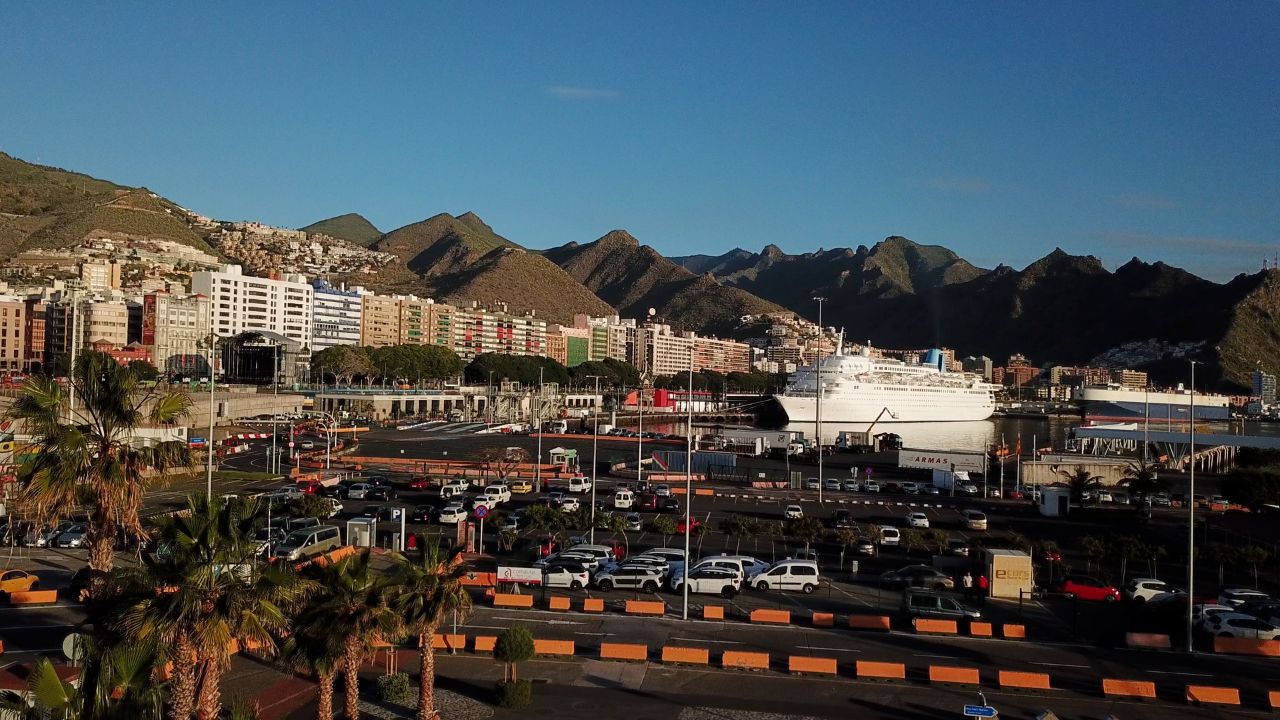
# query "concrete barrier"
(685, 655)
(1141, 689)
(1024, 680)
(935, 627)
(484, 643)
(552, 647)
(512, 601)
(1207, 695)
(1147, 641)
(1245, 646)
(1013, 632)
(821, 619)
(869, 622)
(558, 603)
(593, 605)
(1273, 698)
(645, 607)
(742, 660)
(953, 675)
(624, 651)
(980, 629)
(712, 612)
(881, 670)
(446, 641)
(33, 597)
(811, 665)
(775, 617)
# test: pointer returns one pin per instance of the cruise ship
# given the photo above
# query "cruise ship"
(1117, 403)
(859, 388)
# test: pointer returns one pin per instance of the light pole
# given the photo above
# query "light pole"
(640, 434)
(209, 447)
(818, 410)
(595, 437)
(1191, 514)
(688, 500)
(537, 465)
(274, 465)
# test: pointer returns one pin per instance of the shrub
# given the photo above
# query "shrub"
(514, 646)
(396, 689)
(515, 694)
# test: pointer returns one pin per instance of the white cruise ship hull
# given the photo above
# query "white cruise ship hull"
(920, 405)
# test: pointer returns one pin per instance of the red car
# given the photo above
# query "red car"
(310, 487)
(1088, 589)
(693, 523)
(420, 483)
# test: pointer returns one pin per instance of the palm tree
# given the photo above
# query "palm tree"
(90, 452)
(1141, 479)
(197, 594)
(1080, 481)
(428, 586)
(316, 648)
(353, 602)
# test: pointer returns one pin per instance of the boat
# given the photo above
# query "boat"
(860, 388)
(1113, 402)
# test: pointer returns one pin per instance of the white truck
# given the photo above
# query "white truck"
(948, 479)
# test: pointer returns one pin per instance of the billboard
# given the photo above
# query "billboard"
(974, 462)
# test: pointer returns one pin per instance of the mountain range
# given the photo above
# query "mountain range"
(897, 293)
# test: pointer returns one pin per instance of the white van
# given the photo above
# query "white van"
(452, 489)
(890, 536)
(975, 520)
(497, 493)
(579, 484)
(799, 575)
(558, 427)
(623, 500)
(308, 543)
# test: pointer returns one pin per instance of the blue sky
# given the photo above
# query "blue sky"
(1000, 130)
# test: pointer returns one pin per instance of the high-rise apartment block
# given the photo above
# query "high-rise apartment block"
(379, 320)
(1264, 387)
(659, 351)
(175, 329)
(13, 329)
(335, 316)
(240, 303)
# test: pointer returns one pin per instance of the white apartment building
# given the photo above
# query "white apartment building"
(476, 331)
(241, 303)
(335, 316)
(175, 328)
(100, 276)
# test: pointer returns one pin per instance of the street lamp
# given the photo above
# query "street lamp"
(1191, 513)
(688, 499)
(818, 410)
(595, 438)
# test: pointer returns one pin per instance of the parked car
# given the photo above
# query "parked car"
(498, 493)
(634, 521)
(926, 604)
(17, 581)
(967, 489)
(975, 520)
(521, 487)
(850, 486)
(419, 483)
(958, 546)
(693, 523)
(917, 520)
(569, 504)
(793, 512)
(1160, 500)
(452, 514)
(831, 484)
(268, 538)
(917, 576)
(890, 536)
(799, 575)
(910, 488)
(358, 491)
(812, 483)
(72, 537)
(423, 513)
(579, 484)
(46, 538)
(1234, 624)
(565, 575)
(864, 546)
(842, 519)
(871, 486)
(632, 576)
(380, 492)
(1235, 597)
(1141, 590)
(669, 504)
(709, 580)
(662, 490)
(1088, 589)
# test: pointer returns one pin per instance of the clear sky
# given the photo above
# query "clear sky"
(1000, 130)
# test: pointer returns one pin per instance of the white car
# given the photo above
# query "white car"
(917, 520)
(1233, 624)
(909, 488)
(574, 577)
(1143, 589)
(358, 491)
(662, 490)
(871, 486)
(579, 484)
(1200, 612)
(831, 484)
(498, 494)
(453, 514)
(793, 512)
(1235, 597)
(569, 504)
(967, 489)
(709, 580)
(308, 445)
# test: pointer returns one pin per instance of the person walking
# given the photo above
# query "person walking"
(982, 589)
(966, 582)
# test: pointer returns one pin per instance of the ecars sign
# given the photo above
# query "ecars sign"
(942, 460)
(522, 575)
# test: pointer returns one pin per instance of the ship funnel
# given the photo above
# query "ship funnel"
(934, 358)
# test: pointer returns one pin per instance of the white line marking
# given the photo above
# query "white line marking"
(1172, 672)
(548, 622)
(1061, 665)
(597, 634)
(34, 627)
(718, 642)
(835, 649)
(945, 657)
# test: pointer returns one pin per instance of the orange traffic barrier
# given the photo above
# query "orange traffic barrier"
(954, 675)
(645, 607)
(980, 629)
(1024, 680)
(552, 647)
(1273, 697)
(881, 670)
(623, 651)
(513, 601)
(869, 622)
(687, 656)
(1014, 632)
(935, 627)
(33, 597)
(1147, 641)
(593, 605)
(777, 617)
(484, 643)
(448, 642)
(1, 647)
(558, 603)
(743, 660)
(821, 619)
(1245, 646)
(1128, 688)
(712, 612)
(703, 491)
(1205, 694)
(812, 665)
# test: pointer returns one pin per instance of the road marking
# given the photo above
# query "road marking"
(1172, 672)
(718, 642)
(944, 657)
(35, 627)
(835, 649)
(1061, 665)
(548, 622)
(597, 634)
(486, 627)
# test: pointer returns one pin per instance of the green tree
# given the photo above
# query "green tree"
(523, 369)
(316, 506)
(1080, 481)
(344, 362)
(664, 525)
(1254, 556)
(738, 527)
(313, 647)
(1142, 479)
(545, 518)
(353, 602)
(807, 529)
(513, 646)
(1252, 487)
(1094, 549)
(1222, 555)
(144, 370)
(428, 586)
(92, 458)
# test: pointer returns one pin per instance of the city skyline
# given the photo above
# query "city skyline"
(999, 134)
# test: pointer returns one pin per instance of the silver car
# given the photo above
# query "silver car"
(72, 537)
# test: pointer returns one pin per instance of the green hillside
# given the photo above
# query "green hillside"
(352, 227)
